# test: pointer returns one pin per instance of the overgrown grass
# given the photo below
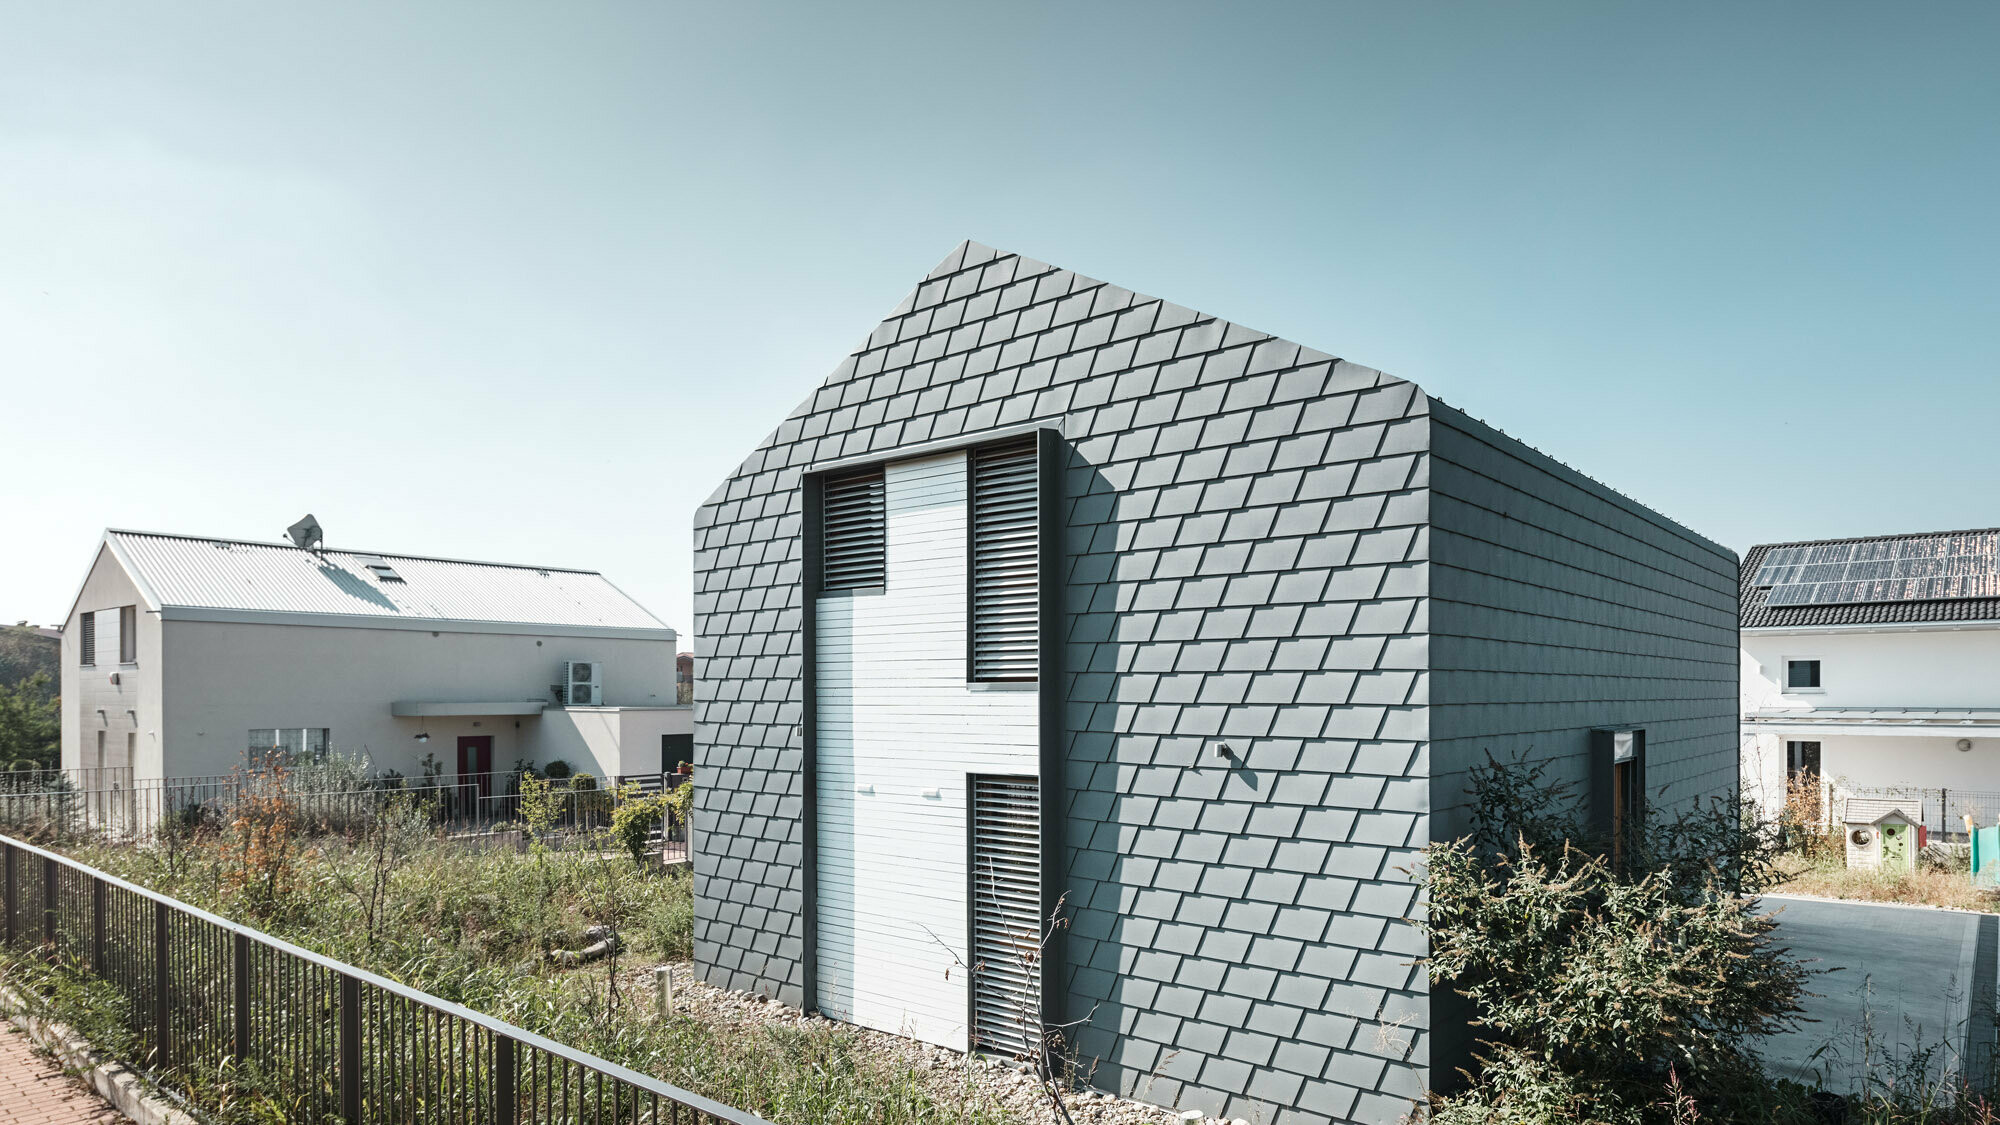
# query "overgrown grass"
(1826, 874)
(476, 927)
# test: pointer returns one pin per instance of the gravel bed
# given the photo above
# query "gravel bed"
(948, 1071)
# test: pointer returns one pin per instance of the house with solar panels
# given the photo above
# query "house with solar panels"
(1057, 600)
(188, 657)
(1869, 673)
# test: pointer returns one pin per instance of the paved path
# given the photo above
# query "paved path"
(35, 1091)
(1910, 979)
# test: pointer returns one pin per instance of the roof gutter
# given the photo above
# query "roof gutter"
(1872, 627)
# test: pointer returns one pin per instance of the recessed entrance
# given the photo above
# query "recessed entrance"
(475, 763)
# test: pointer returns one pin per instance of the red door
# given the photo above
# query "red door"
(475, 762)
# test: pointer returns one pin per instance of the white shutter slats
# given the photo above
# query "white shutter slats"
(854, 522)
(1006, 915)
(1006, 577)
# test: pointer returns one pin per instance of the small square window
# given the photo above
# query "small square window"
(1802, 675)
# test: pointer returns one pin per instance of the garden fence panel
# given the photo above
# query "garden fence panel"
(201, 995)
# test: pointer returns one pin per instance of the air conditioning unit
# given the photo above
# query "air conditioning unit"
(583, 683)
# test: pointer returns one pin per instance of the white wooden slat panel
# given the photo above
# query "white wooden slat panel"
(895, 716)
(107, 636)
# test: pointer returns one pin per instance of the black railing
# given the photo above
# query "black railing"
(66, 804)
(327, 1041)
(1941, 810)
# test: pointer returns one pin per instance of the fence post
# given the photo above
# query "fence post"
(240, 980)
(50, 875)
(350, 1049)
(505, 1084)
(10, 889)
(162, 982)
(97, 896)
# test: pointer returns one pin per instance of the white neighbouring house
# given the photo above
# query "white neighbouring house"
(184, 656)
(1874, 664)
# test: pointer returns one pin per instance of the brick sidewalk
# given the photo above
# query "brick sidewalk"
(35, 1091)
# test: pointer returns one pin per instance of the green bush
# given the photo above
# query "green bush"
(1600, 987)
(636, 818)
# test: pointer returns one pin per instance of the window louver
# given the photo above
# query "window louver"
(853, 533)
(1006, 915)
(1006, 597)
(87, 642)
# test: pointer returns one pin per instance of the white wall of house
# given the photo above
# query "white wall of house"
(609, 741)
(125, 715)
(1865, 668)
(1919, 668)
(1871, 761)
(225, 679)
(899, 728)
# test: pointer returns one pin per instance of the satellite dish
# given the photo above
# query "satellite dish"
(306, 532)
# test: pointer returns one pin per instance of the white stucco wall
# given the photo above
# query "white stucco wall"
(1920, 762)
(609, 741)
(127, 712)
(226, 678)
(1928, 668)
(1942, 668)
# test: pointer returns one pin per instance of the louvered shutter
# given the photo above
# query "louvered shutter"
(853, 533)
(1006, 596)
(1006, 915)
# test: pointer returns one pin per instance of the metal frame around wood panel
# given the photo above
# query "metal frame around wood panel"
(1051, 452)
(809, 573)
(1051, 691)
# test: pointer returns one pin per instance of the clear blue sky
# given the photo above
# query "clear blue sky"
(523, 281)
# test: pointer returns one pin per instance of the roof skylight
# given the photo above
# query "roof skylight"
(380, 568)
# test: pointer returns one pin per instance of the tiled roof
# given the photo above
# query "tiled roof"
(278, 578)
(1757, 615)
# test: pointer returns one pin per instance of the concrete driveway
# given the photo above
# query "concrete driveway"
(1910, 979)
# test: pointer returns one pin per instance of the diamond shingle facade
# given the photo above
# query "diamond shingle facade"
(1350, 584)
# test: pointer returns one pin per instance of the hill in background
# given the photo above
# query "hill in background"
(24, 651)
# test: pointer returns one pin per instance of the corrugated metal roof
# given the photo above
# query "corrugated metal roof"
(1757, 615)
(186, 571)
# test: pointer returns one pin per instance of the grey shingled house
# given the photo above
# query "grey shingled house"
(1057, 593)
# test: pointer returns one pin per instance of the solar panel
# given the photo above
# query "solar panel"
(1934, 568)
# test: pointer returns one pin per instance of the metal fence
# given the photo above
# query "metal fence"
(328, 1041)
(67, 804)
(1942, 810)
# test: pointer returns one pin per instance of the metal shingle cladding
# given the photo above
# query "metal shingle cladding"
(1757, 615)
(1249, 548)
(274, 578)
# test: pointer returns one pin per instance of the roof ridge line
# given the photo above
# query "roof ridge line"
(109, 531)
(1870, 538)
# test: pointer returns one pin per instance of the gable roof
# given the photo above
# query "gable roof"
(1757, 615)
(231, 579)
(1874, 810)
(991, 341)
